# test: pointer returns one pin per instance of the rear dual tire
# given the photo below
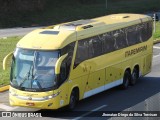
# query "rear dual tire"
(130, 79)
(126, 79)
(135, 76)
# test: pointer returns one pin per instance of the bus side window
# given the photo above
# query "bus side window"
(90, 49)
(121, 39)
(97, 46)
(66, 64)
(65, 69)
(109, 43)
(82, 52)
(144, 32)
(68, 49)
(132, 35)
(149, 28)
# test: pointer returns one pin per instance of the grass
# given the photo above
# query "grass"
(156, 35)
(57, 11)
(6, 46)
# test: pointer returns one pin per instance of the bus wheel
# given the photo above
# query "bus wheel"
(73, 100)
(135, 76)
(126, 79)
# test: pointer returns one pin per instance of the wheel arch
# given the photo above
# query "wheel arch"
(76, 89)
(127, 69)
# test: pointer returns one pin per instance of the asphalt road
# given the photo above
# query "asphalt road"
(8, 32)
(111, 100)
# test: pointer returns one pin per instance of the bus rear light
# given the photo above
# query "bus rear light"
(30, 104)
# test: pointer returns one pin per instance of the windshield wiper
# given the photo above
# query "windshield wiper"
(26, 77)
(31, 73)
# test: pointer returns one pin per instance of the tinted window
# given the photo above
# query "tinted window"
(111, 41)
(120, 37)
(97, 46)
(66, 64)
(82, 51)
(149, 27)
(146, 32)
(68, 49)
(132, 35)
(108, 42)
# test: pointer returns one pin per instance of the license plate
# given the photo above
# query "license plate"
(30, 104)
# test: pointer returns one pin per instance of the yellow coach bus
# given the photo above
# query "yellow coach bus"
(59, 65)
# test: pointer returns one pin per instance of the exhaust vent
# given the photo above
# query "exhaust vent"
(88, 26)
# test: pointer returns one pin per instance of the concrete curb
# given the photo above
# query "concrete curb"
(156, 41)
(4, 88)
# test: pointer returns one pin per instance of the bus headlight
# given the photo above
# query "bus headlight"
(51, 96)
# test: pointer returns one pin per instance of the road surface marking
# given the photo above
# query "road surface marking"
(96, 109)
(7, 108)
(156, 47)
(156, 56)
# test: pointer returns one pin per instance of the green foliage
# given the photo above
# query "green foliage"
(156, 35)
(46, 12)
(6, 46)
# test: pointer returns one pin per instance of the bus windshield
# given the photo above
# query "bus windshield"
(33, 70)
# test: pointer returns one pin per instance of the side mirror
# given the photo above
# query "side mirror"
(5, 60)
(59, 62)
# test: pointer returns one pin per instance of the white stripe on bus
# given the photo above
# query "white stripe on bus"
(103, 88)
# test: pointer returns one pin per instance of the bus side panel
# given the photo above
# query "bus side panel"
(83, 86)
(99, 77)
(147, 64)
(137, 61)
(113, 76)
(90, 85)
(79, 82)
(62, 98)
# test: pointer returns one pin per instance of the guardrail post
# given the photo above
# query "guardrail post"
(154, 16)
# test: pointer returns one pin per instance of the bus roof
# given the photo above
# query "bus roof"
(58, 36)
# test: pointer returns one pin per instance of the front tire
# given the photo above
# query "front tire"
(73, 100)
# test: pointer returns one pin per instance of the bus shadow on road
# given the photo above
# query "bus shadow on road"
(115, 99)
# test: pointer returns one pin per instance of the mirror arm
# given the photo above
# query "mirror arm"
(5, 60)
(59, 62)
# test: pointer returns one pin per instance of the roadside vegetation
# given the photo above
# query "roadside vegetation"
(7, 45)
(25, 13)
(156, 35)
